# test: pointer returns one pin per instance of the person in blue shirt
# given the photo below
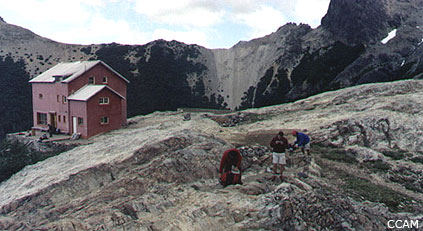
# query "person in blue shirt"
(302, 141)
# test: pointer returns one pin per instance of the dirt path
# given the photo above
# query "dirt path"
(262, 137)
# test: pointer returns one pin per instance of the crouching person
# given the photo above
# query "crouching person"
(230, 167)
(302, 141)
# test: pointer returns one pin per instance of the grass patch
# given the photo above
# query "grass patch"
(362, 189)
(359, 188)
(413, 187)
(407, 179)
(417, 159)
(395, 154)
(340, 155)
(335, 154)
(14, 156)
(377, 165)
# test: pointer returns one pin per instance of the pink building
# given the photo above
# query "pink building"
(86, 97)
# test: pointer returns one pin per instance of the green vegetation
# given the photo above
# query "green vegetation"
(15, 97)
(322, 66)
(335, 154)
(417, 159)
(408, 182)
(395, 154)
(161, 83)
(340, 155)
(267, 92)
(318, 69)
(362, 189)
(404, 72)
(377, 165)
(14, 156)
(86, 50)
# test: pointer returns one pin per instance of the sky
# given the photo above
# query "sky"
(209, 23)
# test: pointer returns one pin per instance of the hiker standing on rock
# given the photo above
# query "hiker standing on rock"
(279, 144)
(302, 141)
(230, 167)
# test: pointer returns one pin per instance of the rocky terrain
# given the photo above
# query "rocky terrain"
(292, 63)
(160, 173)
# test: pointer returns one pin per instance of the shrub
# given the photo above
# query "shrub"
(395, 154)
(361, 188)
(377, 165)
(335, 154)
(14, 156)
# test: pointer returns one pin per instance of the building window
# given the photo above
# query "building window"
(64, 119)
(59, 118)
(58, 98)
(40, 96)
(64, 99)
(80, 121)
(104, 120)
(104, 79)
(41, 118)
(91, 80)
(103, 100)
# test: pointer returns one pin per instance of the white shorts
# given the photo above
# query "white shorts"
(279, 158)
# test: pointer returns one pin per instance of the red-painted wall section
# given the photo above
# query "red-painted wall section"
(96, 111)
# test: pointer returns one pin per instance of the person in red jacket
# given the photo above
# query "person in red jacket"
(279, 144)
(230, 167)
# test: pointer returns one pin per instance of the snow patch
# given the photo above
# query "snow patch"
(390, 36)
(403, 62)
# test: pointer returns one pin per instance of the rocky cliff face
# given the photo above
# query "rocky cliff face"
(292, 63)
(160, 173)
(358, 21)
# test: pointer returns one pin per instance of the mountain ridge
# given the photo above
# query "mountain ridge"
(291, 63)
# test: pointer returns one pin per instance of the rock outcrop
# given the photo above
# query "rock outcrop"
(160, 173)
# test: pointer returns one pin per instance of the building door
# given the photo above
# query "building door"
(53, 121)
(74, 124)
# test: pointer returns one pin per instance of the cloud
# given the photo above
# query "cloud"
(189, 37)
(102, 30)
(264, 20)
(242, 6)
(48, 11)
(76, 21)
(182, 12)
(311, 11)
(265, 17)
(204, 22)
